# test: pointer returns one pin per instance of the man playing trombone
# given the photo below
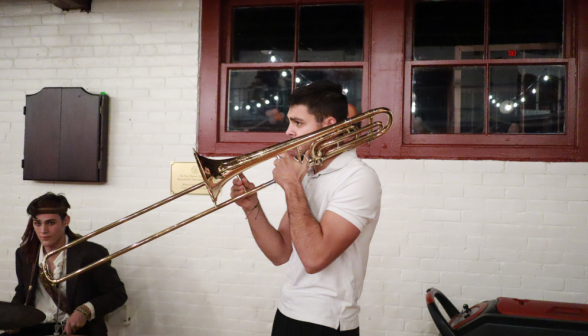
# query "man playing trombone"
(332, 211)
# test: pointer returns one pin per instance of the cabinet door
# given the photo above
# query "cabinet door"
(42, 135)
(80, 136)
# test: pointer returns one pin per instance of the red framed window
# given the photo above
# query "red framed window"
(272, 47)
(465, 79)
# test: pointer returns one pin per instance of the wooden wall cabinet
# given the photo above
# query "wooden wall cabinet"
(84, 5)
(66, 136)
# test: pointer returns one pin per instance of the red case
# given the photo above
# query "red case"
(543, 309)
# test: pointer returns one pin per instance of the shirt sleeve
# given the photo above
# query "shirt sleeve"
(358, 198)
(91, 307)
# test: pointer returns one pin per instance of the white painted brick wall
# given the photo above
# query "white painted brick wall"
(473, 229)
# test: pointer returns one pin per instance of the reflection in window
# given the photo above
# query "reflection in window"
(527, 99)
(445, 30)
(331, 33)
(258, 100)
(349, 78)
(526, 28)
(263, 34)
(448, 100)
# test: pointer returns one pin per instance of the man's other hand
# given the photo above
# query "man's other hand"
(75, 322)
(240, 186)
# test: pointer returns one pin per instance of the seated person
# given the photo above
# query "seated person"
(83, 300)
(351, 111)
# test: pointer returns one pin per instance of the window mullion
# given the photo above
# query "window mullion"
(296, 39)
(486, 67)
(296, 32)
(486, 29)
(486, 98)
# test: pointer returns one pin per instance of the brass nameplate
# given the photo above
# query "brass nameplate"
(183, 176)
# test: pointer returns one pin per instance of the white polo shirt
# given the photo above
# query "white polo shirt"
(351, 189)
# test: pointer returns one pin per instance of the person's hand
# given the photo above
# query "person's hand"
(75, 322)
(13, 331)
(288, 171)
(240, 186)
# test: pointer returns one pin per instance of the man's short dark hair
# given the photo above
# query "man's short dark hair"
(49, 204)
(323, 99)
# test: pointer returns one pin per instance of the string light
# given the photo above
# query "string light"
(507, 106)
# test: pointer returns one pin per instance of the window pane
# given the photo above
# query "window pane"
(350, 80)
(258, 100)
(448, 100)
(526, 28)
(527, 99)
(263, 34)
(331, 33)
(448, 30)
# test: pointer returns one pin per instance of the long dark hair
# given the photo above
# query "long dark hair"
(49, 203)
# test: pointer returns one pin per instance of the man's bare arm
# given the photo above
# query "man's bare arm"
(276, 245)
(317, 244)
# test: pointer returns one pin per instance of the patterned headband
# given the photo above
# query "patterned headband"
(61, 210)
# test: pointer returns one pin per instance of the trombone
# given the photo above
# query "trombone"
(324, 144)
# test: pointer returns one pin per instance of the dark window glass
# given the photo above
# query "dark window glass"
(263, 34)
(448, 100)
(332, 33)
(448, 30)
(527, 99)
(526, 28)
(258, 100)
(350, 80)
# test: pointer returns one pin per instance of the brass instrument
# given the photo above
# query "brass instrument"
(324, 144)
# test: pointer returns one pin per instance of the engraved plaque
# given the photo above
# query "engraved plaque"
(183, 176)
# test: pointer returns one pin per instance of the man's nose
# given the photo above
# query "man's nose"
(290, 132)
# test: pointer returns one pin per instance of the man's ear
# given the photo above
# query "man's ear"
(66, 220)
(328, 121)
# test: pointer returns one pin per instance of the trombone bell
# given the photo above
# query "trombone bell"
(213, 174)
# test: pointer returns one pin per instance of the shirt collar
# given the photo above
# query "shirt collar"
(339, 162)
(59, 260)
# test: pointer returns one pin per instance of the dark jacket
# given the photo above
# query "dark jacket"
(101, 285)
